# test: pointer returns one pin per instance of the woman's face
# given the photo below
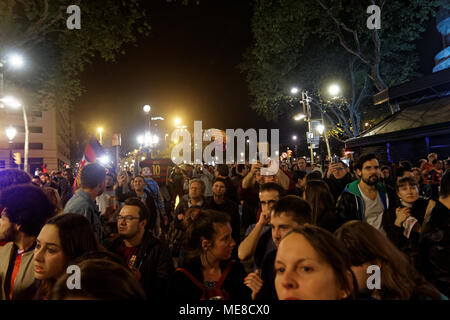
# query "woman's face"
(408, 193)
(223, 242)
(301, 274)
(49, 259)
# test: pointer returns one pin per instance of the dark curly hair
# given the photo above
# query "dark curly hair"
(10, 177)
(27, 206)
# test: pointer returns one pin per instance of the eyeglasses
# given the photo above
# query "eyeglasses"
(126, 218)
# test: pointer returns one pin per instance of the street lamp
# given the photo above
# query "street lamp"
(147, 108)
(299, 117)
(14, 60)
(334, 90)
(294, 138)
(294, 90)
(320, 128)
(11, 133)
(12, 102)
(306, 112)
(100, 131)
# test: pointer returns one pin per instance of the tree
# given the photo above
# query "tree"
(310, 42)
(58, 54)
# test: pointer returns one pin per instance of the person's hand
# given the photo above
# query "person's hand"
(401, 215)
(121, 180)
(333, 166)
(264, 217)
(255, 168)
(254, 282)
(136, 272)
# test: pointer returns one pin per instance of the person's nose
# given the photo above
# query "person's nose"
(288, 280)
(39, 254)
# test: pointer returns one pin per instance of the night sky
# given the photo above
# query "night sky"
(187, 67)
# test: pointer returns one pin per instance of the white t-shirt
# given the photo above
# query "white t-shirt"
(373, 211)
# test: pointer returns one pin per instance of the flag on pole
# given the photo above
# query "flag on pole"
(92, 151)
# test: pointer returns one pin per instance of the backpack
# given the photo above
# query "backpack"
(214, 293)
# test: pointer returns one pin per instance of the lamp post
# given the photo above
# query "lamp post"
(14, 103)
(11, 133)
(14, 60)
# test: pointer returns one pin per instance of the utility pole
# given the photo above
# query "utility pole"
(305, 100)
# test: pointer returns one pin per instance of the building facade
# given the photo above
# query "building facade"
(49, 138)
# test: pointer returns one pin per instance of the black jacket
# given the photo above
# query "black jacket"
(434, 249)
(155, 264)
(337, 186)
(350, 206)
(181, 288)
(410, 246)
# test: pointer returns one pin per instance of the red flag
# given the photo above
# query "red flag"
(91, 153)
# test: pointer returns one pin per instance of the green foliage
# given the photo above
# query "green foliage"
(58, 55)
(301, 43)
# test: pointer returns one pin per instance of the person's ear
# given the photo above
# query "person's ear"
(143, 223)
(206, 244)
(345, 292)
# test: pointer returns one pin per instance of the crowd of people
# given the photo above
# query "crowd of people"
(229, 232)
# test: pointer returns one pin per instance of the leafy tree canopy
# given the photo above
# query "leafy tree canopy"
(310, 44)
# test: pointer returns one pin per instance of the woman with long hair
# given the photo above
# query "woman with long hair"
(208, 273)
(62, 239)
(311, 264)
(318, 194)
(399, 280)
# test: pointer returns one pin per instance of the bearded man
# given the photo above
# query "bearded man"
(367, 199)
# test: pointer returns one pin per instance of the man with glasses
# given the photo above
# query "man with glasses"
(142, 194)
(148, 258)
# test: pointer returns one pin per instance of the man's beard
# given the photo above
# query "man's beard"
(371, 182)
(9, 235)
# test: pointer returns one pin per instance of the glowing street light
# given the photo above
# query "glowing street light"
(11, 102)
(334, 90)
(177, 121)
(104, 160)
(11, 133)
(320, 128)
(14, 103)
(299, 117)
(147, 108)
(100, 131)
(294, 90)
(140, 140)
(16, 60)
(294, 138)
